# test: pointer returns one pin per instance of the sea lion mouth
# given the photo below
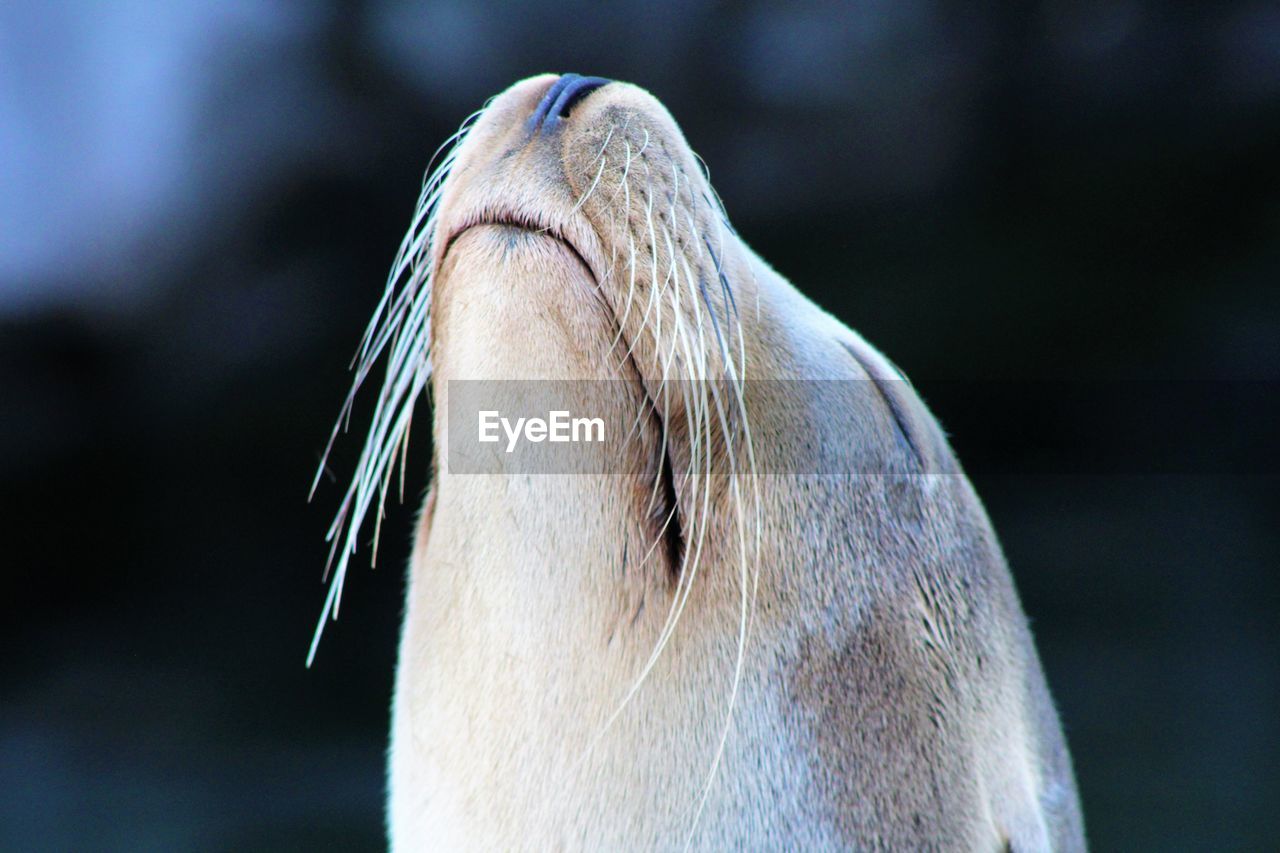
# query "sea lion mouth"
(665, 521)
(521, 222)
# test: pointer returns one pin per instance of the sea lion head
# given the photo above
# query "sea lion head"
(571, 235)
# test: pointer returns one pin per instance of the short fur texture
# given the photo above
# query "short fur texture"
(818, 662)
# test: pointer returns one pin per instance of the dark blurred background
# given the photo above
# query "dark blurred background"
(1061, 219)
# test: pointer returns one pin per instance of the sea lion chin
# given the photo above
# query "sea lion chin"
(716, 642)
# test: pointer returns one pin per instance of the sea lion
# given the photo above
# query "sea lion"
(712, 644)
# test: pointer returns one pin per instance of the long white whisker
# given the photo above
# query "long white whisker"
(400, 328)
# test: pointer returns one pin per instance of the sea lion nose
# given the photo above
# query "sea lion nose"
(560, 98)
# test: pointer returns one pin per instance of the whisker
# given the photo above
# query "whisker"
(400, 329)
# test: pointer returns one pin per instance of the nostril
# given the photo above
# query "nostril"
(560, 99)
(571, 94)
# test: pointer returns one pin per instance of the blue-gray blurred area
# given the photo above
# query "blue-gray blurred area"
(199, 201)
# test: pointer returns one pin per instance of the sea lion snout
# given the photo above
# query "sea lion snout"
(560, 99)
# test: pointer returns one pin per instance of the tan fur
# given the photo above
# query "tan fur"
(890, 696)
